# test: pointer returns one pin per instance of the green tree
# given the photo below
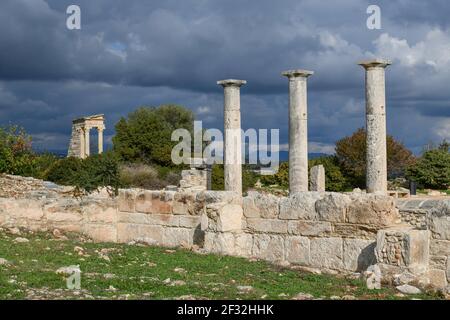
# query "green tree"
(334, 179)
(351, 155)
(145, 135)
(16, 156)
(432, 170)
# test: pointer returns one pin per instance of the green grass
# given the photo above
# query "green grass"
(139, 273)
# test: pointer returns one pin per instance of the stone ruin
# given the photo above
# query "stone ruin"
(80, 141)
(399, 240)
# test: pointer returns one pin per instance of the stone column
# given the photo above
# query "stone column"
(87, 145)
(318, 178)
(82, 143)
(376, 158)
(298, 130)
(232, 140)
(100, 140)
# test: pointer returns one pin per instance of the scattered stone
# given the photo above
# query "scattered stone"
(335, 298)
(408, 289)
(245, 289)
(373, 277)
(180, 270)
(177, 283)
(4, 262)
(111, 288)
(167, 281)
(14, 231)
(348, 297)
(282, 295)
(109, 276)
(403, 278)
(21, 240)
(69, 270)
(303, 296)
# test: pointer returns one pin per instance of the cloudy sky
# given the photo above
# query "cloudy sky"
(150, 52)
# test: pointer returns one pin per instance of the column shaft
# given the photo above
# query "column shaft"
(232, 139)
(100, 140)
(376, 152)
(87, 150)
(298, 130)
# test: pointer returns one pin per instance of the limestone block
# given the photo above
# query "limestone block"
(440, 247)
(143, 202)
(219, 196)
(437, 278)
(438, 262)
(184, 203)
(189, 221)
(438, 219)
(99, 212)
(26, 209)
(149, 219)
(333, 207)
(317, 177)
(261, 205)
(359, 254)
(404, 247)
(127, 232)
(100, 232)
(448, 269)
(267, 225)
(268, 247)
(63, 216)
(224, 217)
(327, 253)
(243, 244)
(309, 228)
(176, 237)
(218, 242)
(298, 250)
(372, 209)
(126, 200)
(299, 206)
(162, 202)
(348, 230)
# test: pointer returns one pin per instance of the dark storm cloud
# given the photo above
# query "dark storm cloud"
(135, 52)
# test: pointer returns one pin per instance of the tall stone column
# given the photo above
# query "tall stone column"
(87, 150)
(100, 140)
(232, 140)
(298, 130)
(376, 161)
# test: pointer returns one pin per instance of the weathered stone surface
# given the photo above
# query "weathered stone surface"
(359, 254)
(317, 174)
(184, 203)
(100, 212)
(327, 253)
(261, 205)
(268, 247)
(127, 200)
(448, 269)
(143, 202)
(440, 247)
(101, 232)
(189, 221)
(437, 278)
(309, 228)
(299, 206)
(438, 219)
(127, 232)
(298, 250)
(403, 247)
(243, 244)
(218, 242)
(373, 209)
(176, 237)
(333, 207)
(361, 231)
(408, 289)
(224, 217)
(267, 225)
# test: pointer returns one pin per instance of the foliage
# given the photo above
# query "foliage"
(281, 178)
(145, 135)
(351, 154)
(16, 156)
(432, 170)
(249, 177)
(148, 177)
(87, 174)
(334, 179)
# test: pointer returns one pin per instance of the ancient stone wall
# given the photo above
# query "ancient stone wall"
(345, 232)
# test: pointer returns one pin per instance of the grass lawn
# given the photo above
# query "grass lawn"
(121, 271)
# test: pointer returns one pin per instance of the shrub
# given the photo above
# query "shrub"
(334, 179)
(16, 156)
(87, 175)
(148, 177)
(432, 170)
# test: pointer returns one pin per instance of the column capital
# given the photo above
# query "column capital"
(297, 73)
(231, 83)
(375, 63)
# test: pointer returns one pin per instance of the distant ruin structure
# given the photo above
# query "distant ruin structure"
(80, 141)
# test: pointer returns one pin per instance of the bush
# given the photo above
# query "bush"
(87, 175)
(16, 156)
(249, 178)
(334, 179)
(148, 177)
(281, 178)
(432, 170)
